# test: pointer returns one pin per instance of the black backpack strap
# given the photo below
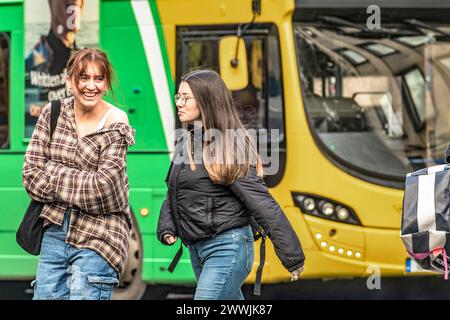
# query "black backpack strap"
(54, 115)
(262, 260)
(262, 256)
(176, 259)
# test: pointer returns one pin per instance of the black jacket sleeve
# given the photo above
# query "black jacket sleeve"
(252, 191)
(166, 225)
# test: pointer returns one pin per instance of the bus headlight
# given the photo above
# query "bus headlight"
(325, 208)
(309, 204)
(342, 213)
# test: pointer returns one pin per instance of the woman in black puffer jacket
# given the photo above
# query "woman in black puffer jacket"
(215, 189)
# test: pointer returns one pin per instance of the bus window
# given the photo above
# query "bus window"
(260, 104)
(274, 84)
(391, 103)
(4, 89)
(416, 89)
(202, 52)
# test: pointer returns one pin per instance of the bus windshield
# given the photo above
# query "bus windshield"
(377, 104)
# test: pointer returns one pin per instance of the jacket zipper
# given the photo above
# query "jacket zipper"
(213, 216)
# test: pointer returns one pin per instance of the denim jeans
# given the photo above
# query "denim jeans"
(222, 263)
(65, 272)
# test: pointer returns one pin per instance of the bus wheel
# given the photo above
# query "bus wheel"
(131, 286)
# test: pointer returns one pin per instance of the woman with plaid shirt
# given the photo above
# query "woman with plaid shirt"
(80, 174)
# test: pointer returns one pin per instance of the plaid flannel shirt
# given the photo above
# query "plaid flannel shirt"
(87, 175)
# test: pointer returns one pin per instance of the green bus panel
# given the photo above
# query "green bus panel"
(17, 266)
(12, 15)
(121, 39)
(158, 257)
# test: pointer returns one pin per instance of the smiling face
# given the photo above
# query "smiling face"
(188, 110)
(88, 92)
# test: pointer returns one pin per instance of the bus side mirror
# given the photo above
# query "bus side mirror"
(233, 67)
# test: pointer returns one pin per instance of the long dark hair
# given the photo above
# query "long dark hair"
(225, 164)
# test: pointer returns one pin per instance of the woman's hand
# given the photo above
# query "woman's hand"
(170, 239)
(295, 275)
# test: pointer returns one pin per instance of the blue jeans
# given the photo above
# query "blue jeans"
(65, 272)
(222, 263)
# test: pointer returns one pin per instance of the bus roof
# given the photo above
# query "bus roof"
(365, 3)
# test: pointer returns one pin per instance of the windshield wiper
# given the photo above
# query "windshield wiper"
(363, 32)
(423, 25)
(441, 35)
(339, 22)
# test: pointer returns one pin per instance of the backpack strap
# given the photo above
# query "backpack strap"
(54, 115)
(262, 256)
(176, 259)
(262, 260)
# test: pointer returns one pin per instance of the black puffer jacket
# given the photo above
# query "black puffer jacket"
(195, 209)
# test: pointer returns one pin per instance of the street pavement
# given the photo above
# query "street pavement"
(426, 288)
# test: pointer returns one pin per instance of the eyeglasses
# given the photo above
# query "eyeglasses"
(183, 99)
